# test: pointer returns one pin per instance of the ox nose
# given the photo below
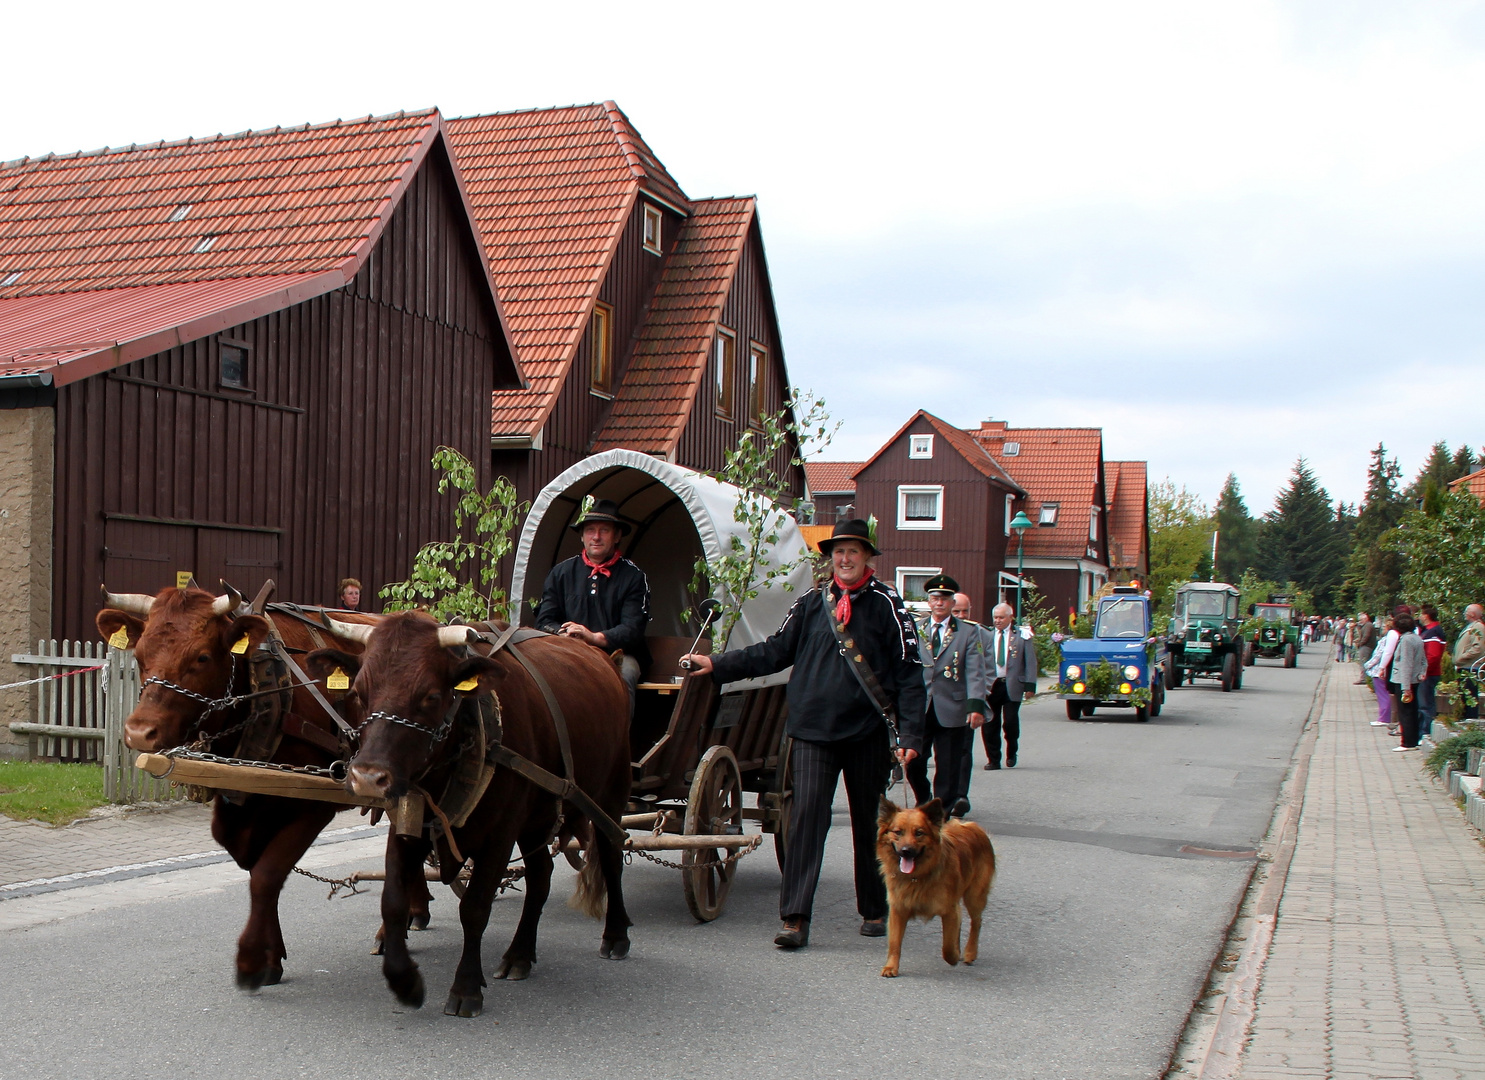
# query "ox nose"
(371, 781)
(141, 734)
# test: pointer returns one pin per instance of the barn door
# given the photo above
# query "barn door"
(241, 557)
(145, 556)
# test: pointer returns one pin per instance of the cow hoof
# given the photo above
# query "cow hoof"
(514, 970)
(413, 992)
(614, 950)
(274, 977)
(251, 981)
(467, 1006)
(419, 921)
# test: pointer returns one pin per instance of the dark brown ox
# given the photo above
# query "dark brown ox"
(409, 673)
(185, 637)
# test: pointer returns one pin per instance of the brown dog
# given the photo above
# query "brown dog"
(931, 868)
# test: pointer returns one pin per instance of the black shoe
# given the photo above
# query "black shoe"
(960, 808)
(794, 935)
(873, 927)
(991, 765)
(1010, 761)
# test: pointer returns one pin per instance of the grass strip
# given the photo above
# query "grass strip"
(48, 791)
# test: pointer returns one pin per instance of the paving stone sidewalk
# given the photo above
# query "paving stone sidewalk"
(1377, 965)
(30, 851)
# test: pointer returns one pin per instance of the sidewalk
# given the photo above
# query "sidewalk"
(30, 851)
(1377, 964)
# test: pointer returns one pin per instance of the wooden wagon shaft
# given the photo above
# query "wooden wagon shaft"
(212, 774)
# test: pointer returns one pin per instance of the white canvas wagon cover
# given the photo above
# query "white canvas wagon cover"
(677, 515)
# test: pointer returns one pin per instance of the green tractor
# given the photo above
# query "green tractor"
(1278, 636)
(1205, 639)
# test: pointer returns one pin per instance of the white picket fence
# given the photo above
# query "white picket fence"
(94, 705)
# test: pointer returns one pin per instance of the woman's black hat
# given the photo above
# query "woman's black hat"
(855, 529)
(605, 510)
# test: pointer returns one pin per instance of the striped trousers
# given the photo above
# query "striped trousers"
(817, 766)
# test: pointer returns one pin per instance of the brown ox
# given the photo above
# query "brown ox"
(184, 637)
(404, 687)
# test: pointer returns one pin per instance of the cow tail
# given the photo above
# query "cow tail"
(590, 897)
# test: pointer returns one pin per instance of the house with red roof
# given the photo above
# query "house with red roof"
(642, 318)
(832, 489)
(233, 357)
(1129, 519)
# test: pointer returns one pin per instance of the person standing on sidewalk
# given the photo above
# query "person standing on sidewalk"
(1363, 642)
(1376, 669)
(834, 719)
(1340, 640)
(1010, 670)
(1403, 673)
(1434, 644)
(1469, 649)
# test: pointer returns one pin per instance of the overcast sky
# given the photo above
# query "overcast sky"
(1227, 234)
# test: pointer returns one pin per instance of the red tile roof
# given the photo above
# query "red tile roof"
(1474, 483)
(1058, 465)
(654, 399)
(831, 477)
(552, 190)
(104, 276)
(962, 443)
(1125, 483)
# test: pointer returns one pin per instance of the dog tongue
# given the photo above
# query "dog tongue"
(905, 864)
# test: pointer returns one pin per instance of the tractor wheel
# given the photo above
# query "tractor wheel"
(1157, 696)
(1172, 675)
(1075, 710)
(1088, 707)
(1250, 655)
(1290, 659)
(1237, 675)
(1229, 671)
(1142, 713)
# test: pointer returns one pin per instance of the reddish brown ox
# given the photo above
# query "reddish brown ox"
(182, 639)
(404, 687)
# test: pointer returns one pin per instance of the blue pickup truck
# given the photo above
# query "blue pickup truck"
(1122, 639)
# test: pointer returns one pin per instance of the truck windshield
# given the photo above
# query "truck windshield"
(1273, 614)
(1121, 619)
(1204, 603)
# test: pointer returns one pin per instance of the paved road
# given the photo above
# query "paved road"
(1100, 932)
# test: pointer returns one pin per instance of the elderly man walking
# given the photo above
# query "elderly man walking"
(954, 669)
(1010, 669)
(857, 688)
(1363, 642)
(1469, 649)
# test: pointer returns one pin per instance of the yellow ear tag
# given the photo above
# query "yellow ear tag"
(241, 646)
(120, 639)
(338, 680)
(468, 685)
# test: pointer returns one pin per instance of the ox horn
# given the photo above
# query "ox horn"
(227, 603)
(450, 636)
(359, 632)
(133, 603)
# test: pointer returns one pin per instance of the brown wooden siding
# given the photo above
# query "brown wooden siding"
(748, 313)
(322, 467)
(970, 547)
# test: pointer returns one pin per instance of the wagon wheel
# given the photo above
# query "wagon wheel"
(715, 806)
(785, 776)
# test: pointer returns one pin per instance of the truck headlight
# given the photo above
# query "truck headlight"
(1073, 671)
(1131, 672)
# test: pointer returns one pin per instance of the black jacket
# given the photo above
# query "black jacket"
(826, 703)
(617, 606)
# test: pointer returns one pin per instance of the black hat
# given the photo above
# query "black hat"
(855, 529)
(602, 510)
(941, 583)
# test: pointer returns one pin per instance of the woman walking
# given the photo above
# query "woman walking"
(1405, 672)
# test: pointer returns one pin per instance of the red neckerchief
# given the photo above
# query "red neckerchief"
(604, 568)
(843, 605)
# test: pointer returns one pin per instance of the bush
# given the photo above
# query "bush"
(1454, 751)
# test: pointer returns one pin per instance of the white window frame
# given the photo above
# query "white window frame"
(1093, 525)
(920, 446)
(1042, 517)
(1010, 506)
(903, 491)
(654, 218)
(916, 571)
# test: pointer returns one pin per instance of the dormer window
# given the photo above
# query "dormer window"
(1012, 449)
(920, 446)
(653, 226)
(180, 212)
(1048, 515)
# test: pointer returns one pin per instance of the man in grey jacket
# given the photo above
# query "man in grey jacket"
(953, 654)
(1011, 669)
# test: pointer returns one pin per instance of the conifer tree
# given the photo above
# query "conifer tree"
(1373, 576)
(1237, 532)
(1301, 540)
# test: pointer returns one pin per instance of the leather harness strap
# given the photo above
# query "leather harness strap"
(562, 788)
(347, 733)
(559, 721)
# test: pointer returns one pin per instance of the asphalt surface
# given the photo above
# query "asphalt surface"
(1117, 882)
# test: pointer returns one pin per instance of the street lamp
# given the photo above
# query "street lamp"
(1020, 523)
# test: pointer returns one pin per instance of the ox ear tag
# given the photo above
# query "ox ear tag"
(338, 680)
(241, 645)
(468, 685)
(119, 639)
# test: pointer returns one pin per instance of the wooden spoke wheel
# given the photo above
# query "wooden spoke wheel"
(785, 796)
(715, 806)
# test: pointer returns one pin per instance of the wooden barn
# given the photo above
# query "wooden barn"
(643, 319)
(233, 357)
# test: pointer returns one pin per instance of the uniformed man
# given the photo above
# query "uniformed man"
(954, 671)
(1011, 670)
(834, 720)
(600, 597)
